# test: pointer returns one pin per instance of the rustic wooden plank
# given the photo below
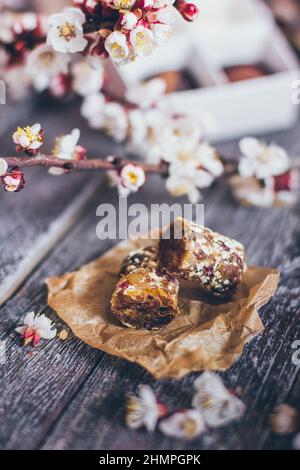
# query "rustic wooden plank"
(70, 396)
(35, 219)
(259, 373)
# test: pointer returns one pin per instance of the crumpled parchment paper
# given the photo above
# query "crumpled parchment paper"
(209, 335)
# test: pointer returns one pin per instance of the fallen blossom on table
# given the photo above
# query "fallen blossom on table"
(29, 139)
(186, 424)
(285, 419)
(217, 405)
(35, 328)
(144, 409)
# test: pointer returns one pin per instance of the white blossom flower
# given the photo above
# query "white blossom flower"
(17, 89)
(209, 159)
(92, 109)
(186, 130)
(146, 94)
(137, 128)
(165, 15)
(142, 41)
(44, 63)
(13, 181)
(186, 424)
(109, 116)
(144, 409)
(218, 406)
(162, 33)
(250, 191)
(192, 165)
(129, 20)
(132, 177)
(66, 148)
(27, 22)
(7, 20)
(115, 121)
(3, 166)
(185, 179)
(35, 328)
(116, 46)
(262, 160)
(86, 79)
(66, 31)
(29, 137)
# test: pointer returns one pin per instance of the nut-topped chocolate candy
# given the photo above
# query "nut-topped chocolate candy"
(195, 253)
(144, 258)
(145, 298)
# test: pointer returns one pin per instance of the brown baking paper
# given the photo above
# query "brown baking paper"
(207, 336)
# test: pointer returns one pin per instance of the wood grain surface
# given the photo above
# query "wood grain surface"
(64, 394)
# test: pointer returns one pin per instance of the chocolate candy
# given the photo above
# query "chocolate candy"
(195, 253)
(239, 73)
(143, 258)
(145, 298)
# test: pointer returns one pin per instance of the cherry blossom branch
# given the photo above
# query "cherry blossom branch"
(109, 164)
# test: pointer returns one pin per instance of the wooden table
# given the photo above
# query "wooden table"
(66, 395)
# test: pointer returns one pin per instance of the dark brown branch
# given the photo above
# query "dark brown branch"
(113, 163)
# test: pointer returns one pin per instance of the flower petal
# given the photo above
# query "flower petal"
(187, 424)
(217, 404)
(29, 319)
(3, 167)
(250, 147)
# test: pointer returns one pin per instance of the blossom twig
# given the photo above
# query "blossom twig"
(111, 163)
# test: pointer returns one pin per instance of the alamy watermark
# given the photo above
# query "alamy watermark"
(141, 221)
(2, 92)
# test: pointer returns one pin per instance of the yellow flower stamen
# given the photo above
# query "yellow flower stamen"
(189, 427)
(141, 39)
(29, 134)
(67, 31)
(46, 58)
(117, 50)
(133, 178)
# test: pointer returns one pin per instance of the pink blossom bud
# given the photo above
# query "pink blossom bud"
(189, 11)
(14, 180)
